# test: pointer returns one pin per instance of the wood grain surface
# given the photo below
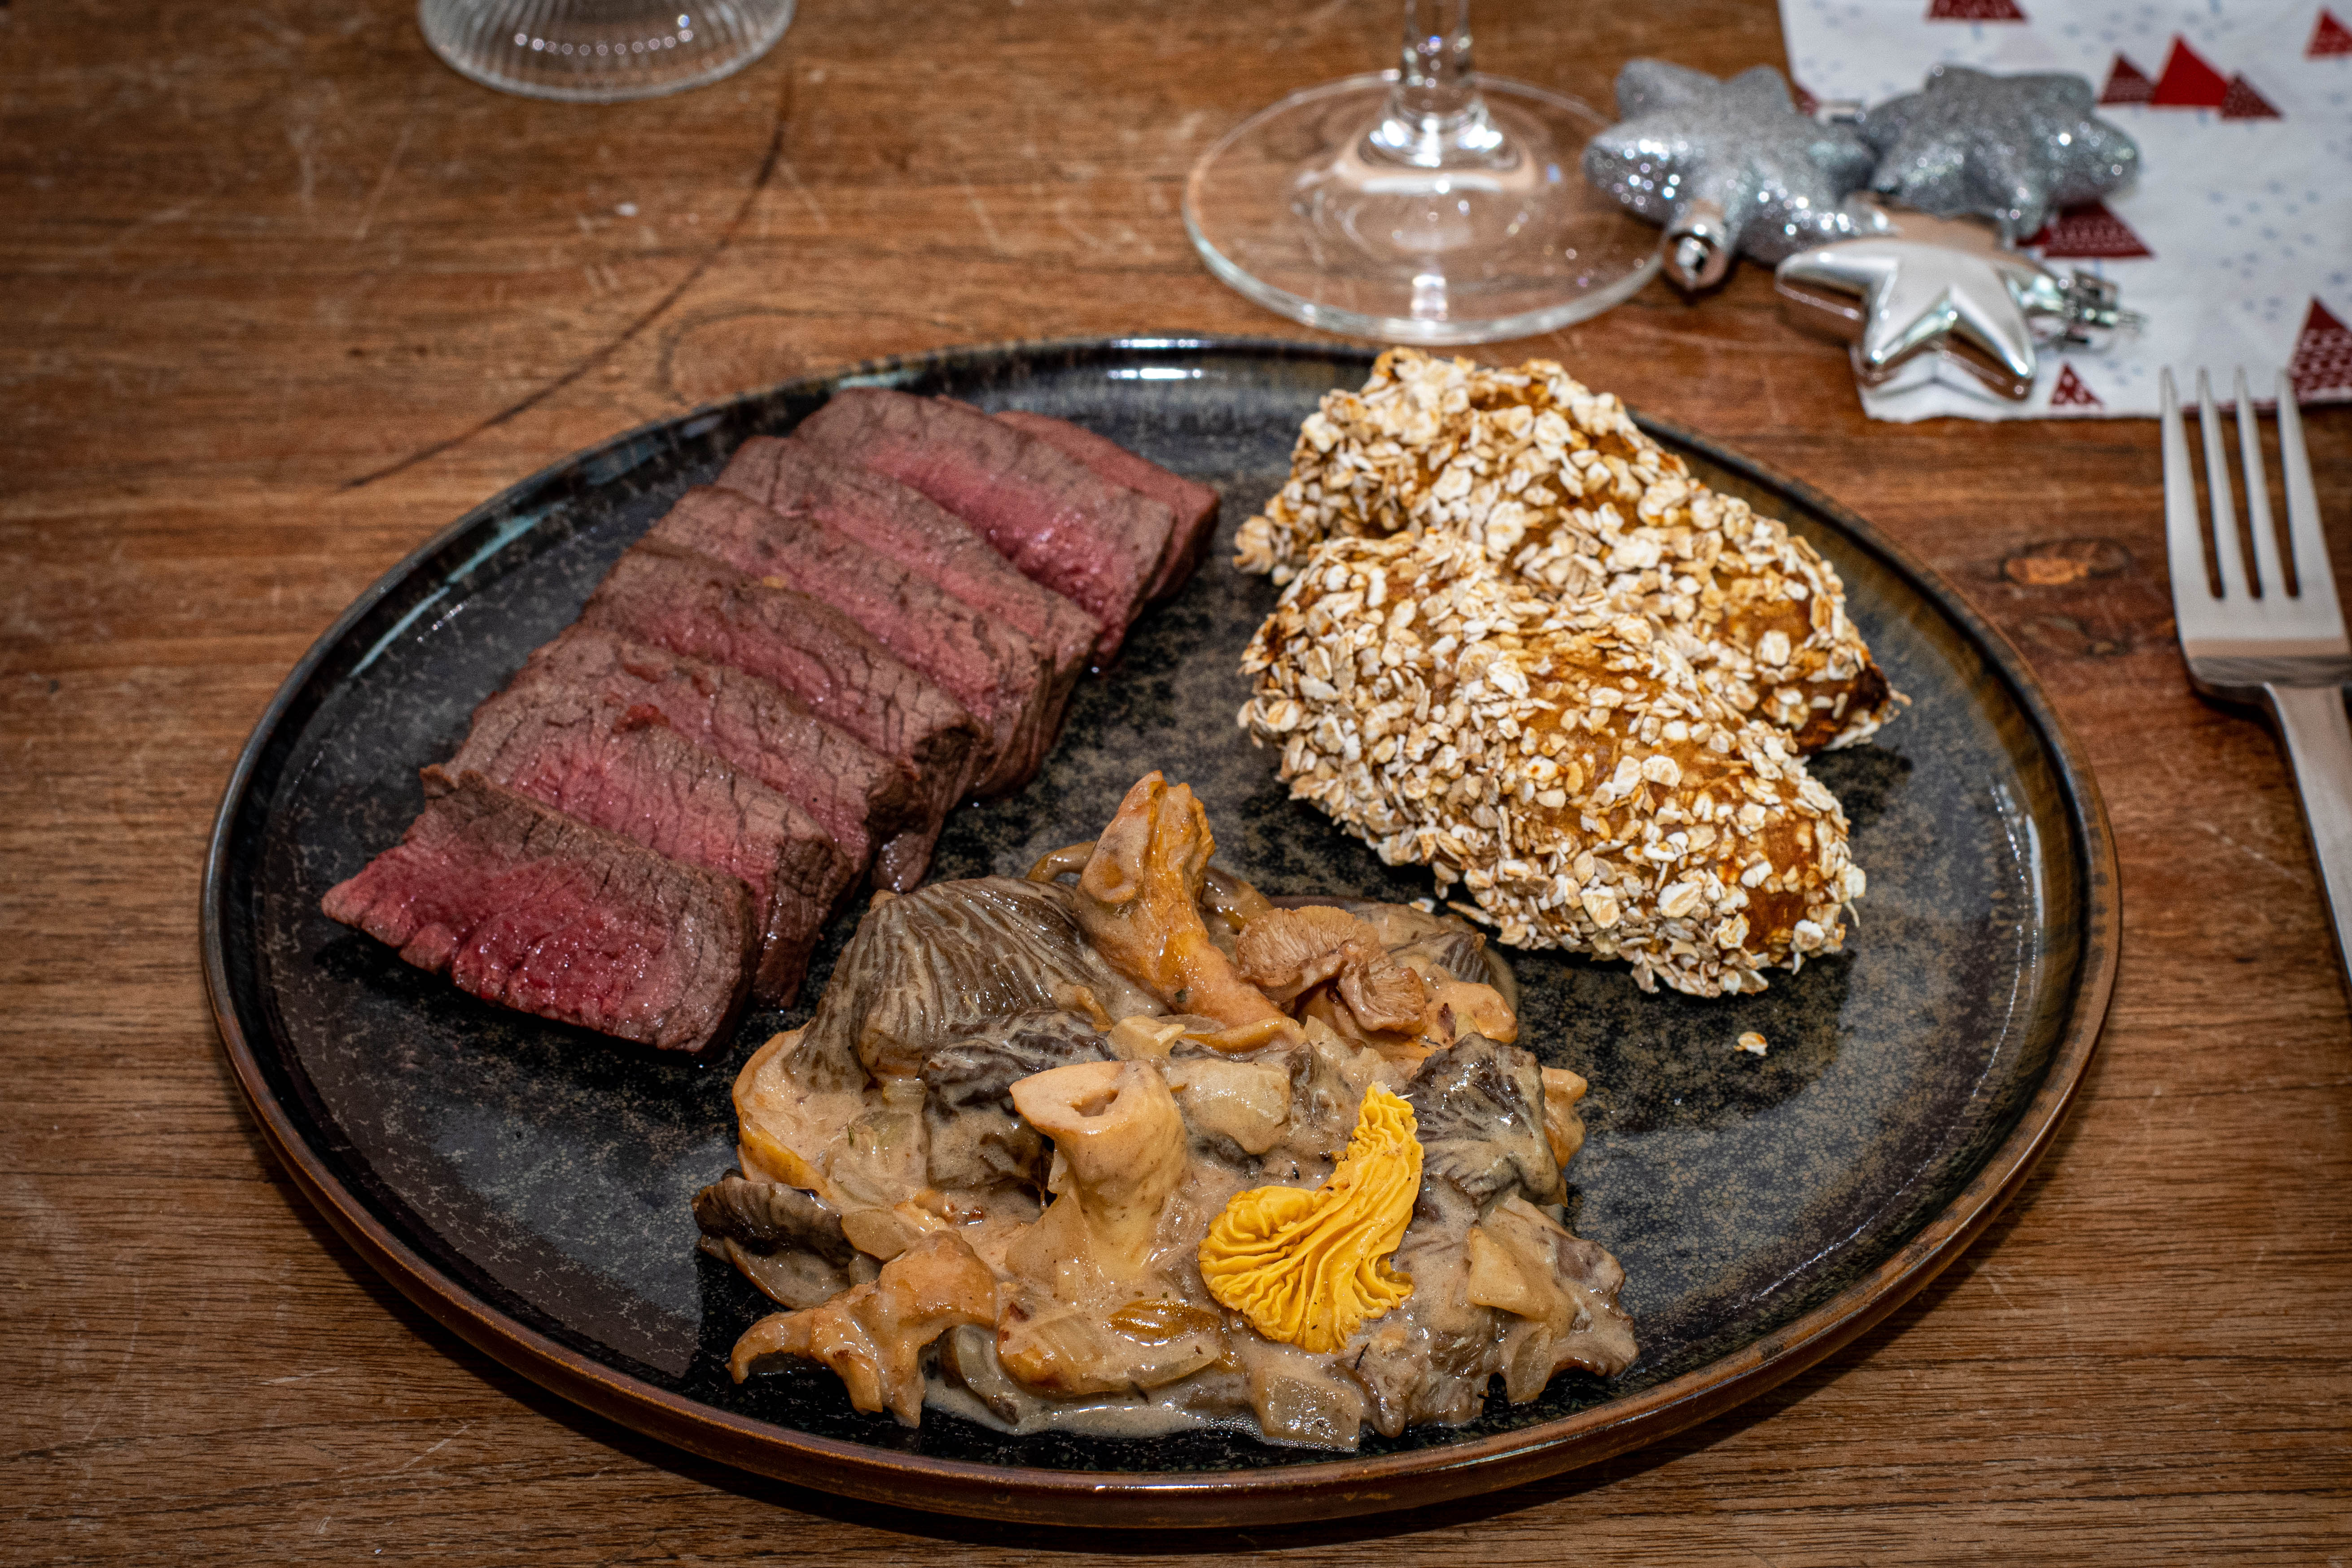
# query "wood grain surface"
(284, 296)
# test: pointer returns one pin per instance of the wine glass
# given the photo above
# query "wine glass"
(1427, 204)
(601, 51)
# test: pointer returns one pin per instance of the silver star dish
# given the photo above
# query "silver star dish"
(2013, 148)
(1725, 166)
(1916, 292)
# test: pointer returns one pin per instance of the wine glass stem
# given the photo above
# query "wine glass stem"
(1434, 118)
(1436, 80)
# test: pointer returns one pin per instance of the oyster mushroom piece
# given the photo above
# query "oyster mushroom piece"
(1119, 1132)
(780, 1238)
(1287, 953)
(1436, 947)
(1480, 1106)
(771, 1216)
(874, 1336)
(1139, 902)
(1382, 996)
(1562, 1287)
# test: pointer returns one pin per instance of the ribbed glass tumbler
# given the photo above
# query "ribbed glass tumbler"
(601, 51)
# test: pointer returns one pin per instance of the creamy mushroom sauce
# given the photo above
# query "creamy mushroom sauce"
(981, 1176)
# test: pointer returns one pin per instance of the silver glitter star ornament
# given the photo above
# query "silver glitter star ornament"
(1725, 166)
(1919, 295)
(2013, 148)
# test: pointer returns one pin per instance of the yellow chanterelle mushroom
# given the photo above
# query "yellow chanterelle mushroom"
(1310, 1268)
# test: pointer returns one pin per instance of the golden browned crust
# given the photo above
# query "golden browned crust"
(1560, 763)
(1556, 483)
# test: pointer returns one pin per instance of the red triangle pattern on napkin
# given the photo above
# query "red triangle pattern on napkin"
(2070, 391)
(2086, 232)
(2242, 102)
(2188, 83)
(2321, 369)
(2330, 38)
(2126, 83)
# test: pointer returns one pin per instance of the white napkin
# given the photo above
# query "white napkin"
(2247, 217)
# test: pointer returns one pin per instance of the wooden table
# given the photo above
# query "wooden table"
(285, 295)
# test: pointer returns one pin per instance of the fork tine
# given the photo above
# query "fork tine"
(2227, 560)
(2268, 578)
(2314, 577)
(2184, 534)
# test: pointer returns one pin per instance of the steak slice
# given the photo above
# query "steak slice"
(523, 906)
(622, 768)
(861, 798)
(1060, 523)
(686, 602)
(919, 534)
(995, 672)
(1194, 505)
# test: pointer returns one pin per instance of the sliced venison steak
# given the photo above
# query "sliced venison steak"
(1060, 523)
(526, 907)
(691, 603)
(621, 767)
(1194, 505)
(916, 533)
(860, 797)
(994, 671)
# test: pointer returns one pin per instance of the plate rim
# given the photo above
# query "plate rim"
(1324, 1489)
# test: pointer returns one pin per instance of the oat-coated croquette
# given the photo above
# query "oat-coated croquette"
(1559, 761)
(1556, 483)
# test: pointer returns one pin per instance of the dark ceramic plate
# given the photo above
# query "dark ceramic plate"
(529, 1184)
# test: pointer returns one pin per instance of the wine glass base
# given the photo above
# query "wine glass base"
(1296, 210)
(600, 51)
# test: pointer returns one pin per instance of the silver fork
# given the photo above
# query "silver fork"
(2254, 642)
